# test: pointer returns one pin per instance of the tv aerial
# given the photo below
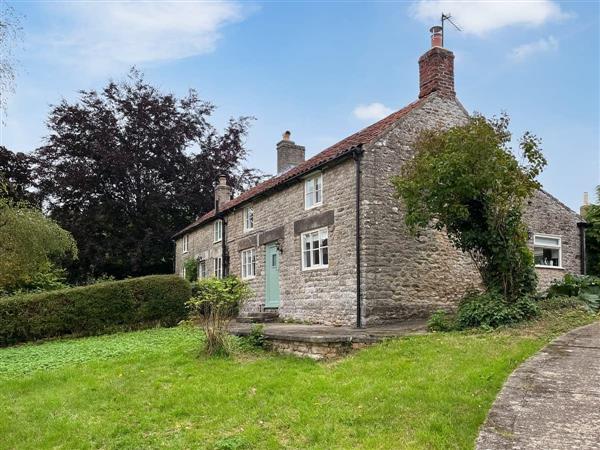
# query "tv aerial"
(448, 17)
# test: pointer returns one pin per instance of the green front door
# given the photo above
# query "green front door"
(272, 266)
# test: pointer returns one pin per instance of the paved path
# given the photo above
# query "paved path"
(552, 401)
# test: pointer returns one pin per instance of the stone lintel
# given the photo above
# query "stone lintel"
(321, 220)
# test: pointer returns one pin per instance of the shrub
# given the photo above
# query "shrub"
(256, 338)
(490, 309)
(215, 303)
(96, 309)
(191, 269)
(441, 321)
(586, 288)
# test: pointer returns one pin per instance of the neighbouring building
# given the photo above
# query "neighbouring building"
(324, 241)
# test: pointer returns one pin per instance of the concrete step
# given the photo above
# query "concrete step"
(259, 317)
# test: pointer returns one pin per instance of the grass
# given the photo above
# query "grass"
(150, 389)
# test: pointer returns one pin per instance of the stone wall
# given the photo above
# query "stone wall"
(325, 295)
(545, 214)
(405, 276)
(314, 350)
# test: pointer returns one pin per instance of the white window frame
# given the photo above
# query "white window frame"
(323, 233)
(553, 247)
(218, 231)
(313, 191)
(218, 267)
(183, 271)
(248, 218)
(248, 261)
(185, 243)
(202, 273)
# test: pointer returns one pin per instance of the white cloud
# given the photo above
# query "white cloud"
(372, 111)
(482, 16)
(522, 52)
(104, 34)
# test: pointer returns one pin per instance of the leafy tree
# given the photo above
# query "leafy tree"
(126, 167)
(592, 236)
(30, 245)
(16, 176)
(466, 181)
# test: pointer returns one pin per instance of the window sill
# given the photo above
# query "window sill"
(249, 278)
(310, 269)
(549, 267)
(313, 206)
(185, 252)
(248, 230)
(216, 242)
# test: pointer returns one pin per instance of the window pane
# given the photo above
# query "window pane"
(540, 240)
(316, 258)
(325, 256)
(546, 256)
(307, 259)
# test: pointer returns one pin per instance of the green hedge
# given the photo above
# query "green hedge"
(95, 309)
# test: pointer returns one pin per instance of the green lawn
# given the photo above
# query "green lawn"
(149, 389)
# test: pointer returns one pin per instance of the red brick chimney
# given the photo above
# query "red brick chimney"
(436, 68)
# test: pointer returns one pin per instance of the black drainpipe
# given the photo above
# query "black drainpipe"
(357, 154)
(582, 250)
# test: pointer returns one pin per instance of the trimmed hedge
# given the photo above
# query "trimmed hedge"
(95, 309)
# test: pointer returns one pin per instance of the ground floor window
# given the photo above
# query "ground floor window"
(202, 269)
(248, 258)
(218, 267)
(547, 250)
(315, 250)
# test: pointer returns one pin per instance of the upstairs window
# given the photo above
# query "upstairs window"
(315, 249)
(185, 242)
(547, 251)
(248, 218)
(218, 267)
(248, 258)
(313, 191)
(218, 230)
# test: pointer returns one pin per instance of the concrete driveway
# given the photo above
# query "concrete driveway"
(552, 401)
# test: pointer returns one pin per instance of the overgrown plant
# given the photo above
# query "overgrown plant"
(215, 303)
(191, 269)
(467, 181)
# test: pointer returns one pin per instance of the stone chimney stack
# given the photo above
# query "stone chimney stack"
(288, 154)
(586, 202)
(436, 68)
(222, 192)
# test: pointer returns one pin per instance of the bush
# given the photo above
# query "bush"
(191, 270)
(215, 303)
(586, 288)
(441, 321)
(256, 338)
(490, 309)
(97, 309)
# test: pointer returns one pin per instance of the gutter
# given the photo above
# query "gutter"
(582, 249)
(357, 155)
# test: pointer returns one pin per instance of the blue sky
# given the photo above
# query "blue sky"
(325, 69)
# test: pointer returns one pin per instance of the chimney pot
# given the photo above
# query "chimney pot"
(436, 36)
(586, 199)
(286, 135)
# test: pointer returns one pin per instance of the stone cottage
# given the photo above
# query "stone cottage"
(324, 241)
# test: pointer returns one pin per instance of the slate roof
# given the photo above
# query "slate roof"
(336, 151)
